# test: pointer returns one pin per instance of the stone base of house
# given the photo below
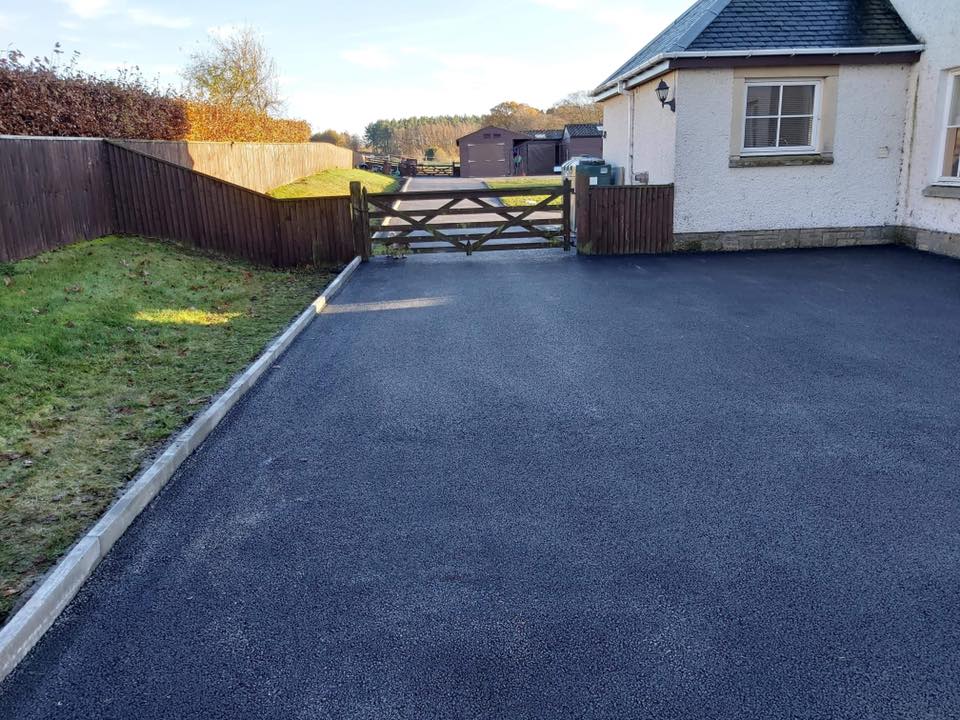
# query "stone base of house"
(783, 239)
(941, 243)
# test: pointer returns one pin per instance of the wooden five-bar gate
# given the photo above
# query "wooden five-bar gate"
(464, 220)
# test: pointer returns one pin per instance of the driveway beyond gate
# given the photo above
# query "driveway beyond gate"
(527, 485)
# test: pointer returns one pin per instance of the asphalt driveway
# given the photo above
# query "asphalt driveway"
(531, 485)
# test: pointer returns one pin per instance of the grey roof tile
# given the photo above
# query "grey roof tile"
(712, 25)
(584, 130)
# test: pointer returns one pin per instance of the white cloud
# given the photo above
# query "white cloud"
(91, 9)
(368, 56)
(149, 18)
(88, 8)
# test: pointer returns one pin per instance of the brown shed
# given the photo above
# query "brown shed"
(488, 152)
(541, 154)
(582, 139)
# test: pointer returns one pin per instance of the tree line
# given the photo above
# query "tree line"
(436, 136)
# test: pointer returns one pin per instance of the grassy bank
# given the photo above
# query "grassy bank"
(335, 182)
(501, 184)
(106, 348)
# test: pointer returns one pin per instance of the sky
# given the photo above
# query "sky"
(345, 64)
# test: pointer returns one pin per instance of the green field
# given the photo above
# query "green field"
(500, 184)
(335, 182)
(106, 348)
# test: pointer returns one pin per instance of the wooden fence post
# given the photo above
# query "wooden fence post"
(360, 221)
(566, 214)
(365, 226)
(582, 191)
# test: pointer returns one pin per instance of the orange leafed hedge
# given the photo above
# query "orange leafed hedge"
(225, 123)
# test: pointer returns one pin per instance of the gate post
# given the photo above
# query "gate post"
(566, 214)
(359, 215)
(582, 191)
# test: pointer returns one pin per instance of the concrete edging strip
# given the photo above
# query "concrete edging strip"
(29, 624)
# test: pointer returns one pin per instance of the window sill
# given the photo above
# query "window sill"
(750, 161)
(942, 191)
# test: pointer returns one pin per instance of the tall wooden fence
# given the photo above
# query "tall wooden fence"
(53, 191)
(257, 166)
(623, 219)
(57, 191)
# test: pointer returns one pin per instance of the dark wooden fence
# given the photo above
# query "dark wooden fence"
(160, 199)
(623, 219)
(54, 192)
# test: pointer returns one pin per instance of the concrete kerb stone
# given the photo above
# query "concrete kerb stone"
(29, 624)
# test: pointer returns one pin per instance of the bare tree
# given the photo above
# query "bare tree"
(236, 70)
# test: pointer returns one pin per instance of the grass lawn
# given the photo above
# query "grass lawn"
(335, 182)
(513, 182)
(106, 348)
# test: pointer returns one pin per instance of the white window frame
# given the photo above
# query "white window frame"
(793, 149)
(953, 79)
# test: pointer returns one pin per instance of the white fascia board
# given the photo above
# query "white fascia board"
(628, 80)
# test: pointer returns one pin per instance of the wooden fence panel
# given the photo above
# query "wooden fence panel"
(157, 198)
(56, 191)
(624, 219)
(53, 191)
(257, 166)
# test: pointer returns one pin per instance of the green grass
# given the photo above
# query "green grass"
(106, 348)
(525, 200)
(335, 182)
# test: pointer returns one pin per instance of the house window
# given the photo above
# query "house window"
(781, 117)
(951, 155)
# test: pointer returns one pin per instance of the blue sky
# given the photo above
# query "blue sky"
(344, 64)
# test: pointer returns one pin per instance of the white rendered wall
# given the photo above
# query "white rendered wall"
(858, 189)
(654, 133)
(937, 24)
(615, 143)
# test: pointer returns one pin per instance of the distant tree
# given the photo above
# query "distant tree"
(577, 108)
(342, 139)
(412, 136)
(517, 116)
(379, 136)
(430, 154)
(331, 136)
(236, 70)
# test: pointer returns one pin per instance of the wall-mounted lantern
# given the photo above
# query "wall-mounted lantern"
(662, 91)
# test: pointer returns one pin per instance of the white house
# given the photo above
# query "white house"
(796, 123)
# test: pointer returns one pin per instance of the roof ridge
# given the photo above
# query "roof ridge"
(709, 9)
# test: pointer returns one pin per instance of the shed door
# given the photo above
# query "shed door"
(486, 160)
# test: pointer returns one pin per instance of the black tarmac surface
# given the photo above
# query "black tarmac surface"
(531, 485)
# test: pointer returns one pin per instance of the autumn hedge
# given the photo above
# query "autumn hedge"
(37, 98)
(40, 99)
(222, 122)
